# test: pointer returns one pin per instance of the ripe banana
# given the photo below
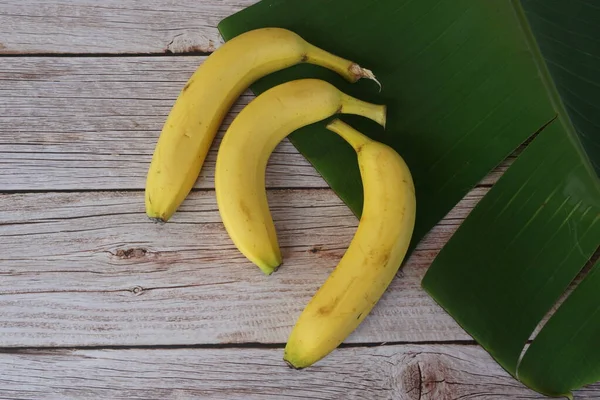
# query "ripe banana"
(245, 150)
(370, 262)
(204, 101)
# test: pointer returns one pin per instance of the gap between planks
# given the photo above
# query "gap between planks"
(204, 346)
(411, 372)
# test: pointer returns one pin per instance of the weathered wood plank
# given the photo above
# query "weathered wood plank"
(113, 26)
(80, 269)
(399, 372)
(92, 123)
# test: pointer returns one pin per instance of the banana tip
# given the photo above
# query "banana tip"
(268, 270)
(157, 220)
(292, 366)
(359, 72)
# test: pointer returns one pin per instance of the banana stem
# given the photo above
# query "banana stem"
(356, 139)
(375, 112)
(349, 70)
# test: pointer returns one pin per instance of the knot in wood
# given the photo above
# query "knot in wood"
(137, 290)
(131, 253)
(412, 380)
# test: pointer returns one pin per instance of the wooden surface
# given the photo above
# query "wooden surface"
(112, 26)
(407, 372)
(96, 270)
(96, 301)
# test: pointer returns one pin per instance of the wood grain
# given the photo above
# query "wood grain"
(113, 26)
(82, 269)
(92, 123)
(399, 372)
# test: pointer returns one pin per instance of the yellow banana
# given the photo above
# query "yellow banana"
(370, 262)
(208, 95)
(245, 150)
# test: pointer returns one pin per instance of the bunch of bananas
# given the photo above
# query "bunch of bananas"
(386, 225)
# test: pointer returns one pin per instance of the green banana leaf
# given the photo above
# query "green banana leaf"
(517, 252)
(541, 222)
(466, 82)
(576, 322)
(568, 35)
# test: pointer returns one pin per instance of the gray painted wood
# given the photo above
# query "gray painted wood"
(92, 123)
(113, 26)
(89, 269)
(398, 372)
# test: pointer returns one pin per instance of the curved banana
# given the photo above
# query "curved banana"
(208, 95)
(245, 150)
(370, 262)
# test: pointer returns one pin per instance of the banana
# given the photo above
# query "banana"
(208, 95)
(371, 260)
(246, 147)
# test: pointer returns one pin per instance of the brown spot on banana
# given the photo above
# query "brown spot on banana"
(245, 210)
(326, 310)
(384, 258)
